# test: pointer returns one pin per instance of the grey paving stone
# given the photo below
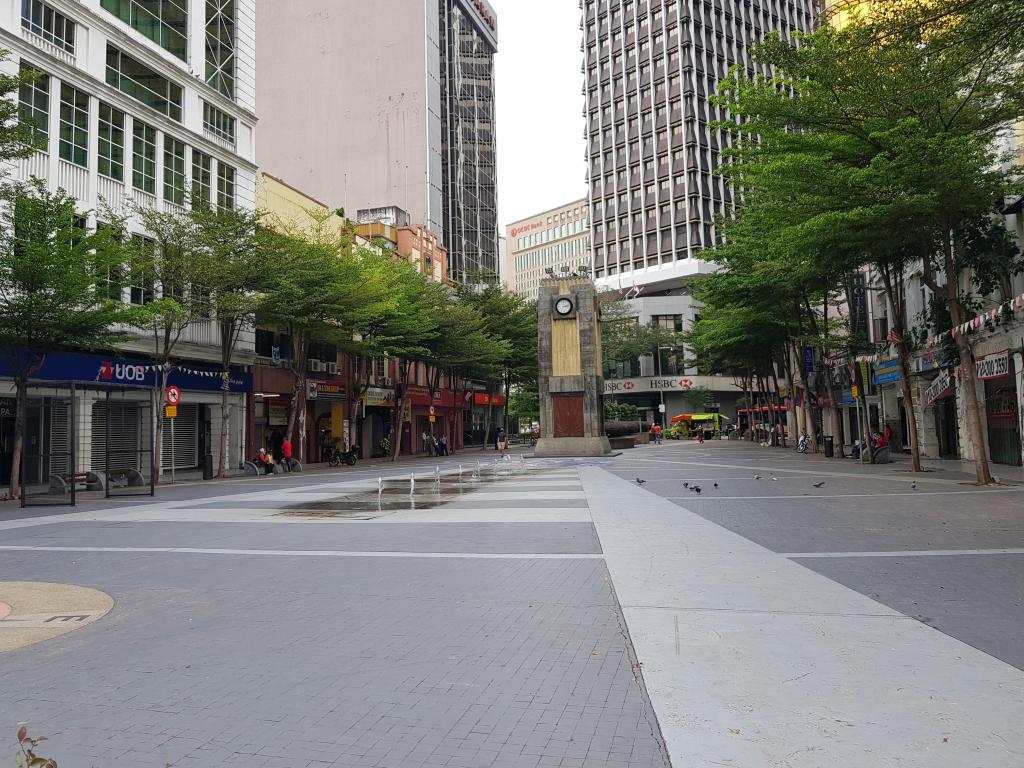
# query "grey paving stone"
(249, 661)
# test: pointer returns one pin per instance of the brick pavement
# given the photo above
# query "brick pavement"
(232, 660)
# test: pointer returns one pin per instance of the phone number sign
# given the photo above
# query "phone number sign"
(994, 366)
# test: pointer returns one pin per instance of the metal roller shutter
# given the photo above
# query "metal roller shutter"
(60, 437)
(186, 439)
(125, 436)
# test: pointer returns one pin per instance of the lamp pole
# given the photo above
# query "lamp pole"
(664, 424)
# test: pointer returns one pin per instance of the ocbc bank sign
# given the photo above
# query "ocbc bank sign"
(647, 384)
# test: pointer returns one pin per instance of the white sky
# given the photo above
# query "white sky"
(541, 148)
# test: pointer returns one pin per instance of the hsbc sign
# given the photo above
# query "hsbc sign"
(648, 384)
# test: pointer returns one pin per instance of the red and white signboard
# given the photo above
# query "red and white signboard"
(432, 411)
(994, 366)
(173, 395)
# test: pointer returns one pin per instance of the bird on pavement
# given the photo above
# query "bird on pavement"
(686, 485)
(913, 486)
(716, 485)
(640, 482)
(696, 489)
(775, 479)
(819, 485)
(757, 477)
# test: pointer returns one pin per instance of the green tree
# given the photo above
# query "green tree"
(55, 286)
(512, 319)
(894, 128)
(315, 294)
(17, 138)
(171, 269)
(229, 241)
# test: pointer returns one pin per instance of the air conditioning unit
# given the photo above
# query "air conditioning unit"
(315, 366)
(332, 367)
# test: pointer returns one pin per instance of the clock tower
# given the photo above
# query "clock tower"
(571, 378)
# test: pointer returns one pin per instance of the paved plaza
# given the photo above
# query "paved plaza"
(533, 613)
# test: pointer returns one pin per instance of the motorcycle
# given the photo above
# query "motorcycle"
(336, 457)
(804, 444)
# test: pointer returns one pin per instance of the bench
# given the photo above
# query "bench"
(128, 478)
(83, 481)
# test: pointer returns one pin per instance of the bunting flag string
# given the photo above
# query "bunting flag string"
(976, 323)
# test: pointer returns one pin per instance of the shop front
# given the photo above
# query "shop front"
(484, 415)
(268, 413)
(940, 400)
(375, 422)
(188, 437)
(327, 403)
(433, 415)
(998, 373)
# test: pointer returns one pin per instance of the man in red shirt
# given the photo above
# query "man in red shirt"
(286, 452)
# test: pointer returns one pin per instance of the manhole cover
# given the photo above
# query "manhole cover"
(31, 612)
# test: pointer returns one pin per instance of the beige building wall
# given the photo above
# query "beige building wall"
(289, 209)
(342, 94)
(550, 240)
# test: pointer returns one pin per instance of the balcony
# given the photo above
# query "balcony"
(37, 164)
(53, 50)
(73, 179)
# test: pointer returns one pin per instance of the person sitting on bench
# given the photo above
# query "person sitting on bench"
(265, 461)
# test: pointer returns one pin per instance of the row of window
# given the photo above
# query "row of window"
(165, 22)
(551, 233)
(553, 254)
(73, 145)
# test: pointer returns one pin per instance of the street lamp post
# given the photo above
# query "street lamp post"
(664, 423)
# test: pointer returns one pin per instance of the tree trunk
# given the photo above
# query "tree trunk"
(969, 372)
(225, 410)
(161, 398)
(908, 403)
(490, 415)
(20, 419)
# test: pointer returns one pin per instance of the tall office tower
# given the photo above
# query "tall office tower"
(651, 66)
(386, 103)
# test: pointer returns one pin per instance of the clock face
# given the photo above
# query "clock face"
(563, 306)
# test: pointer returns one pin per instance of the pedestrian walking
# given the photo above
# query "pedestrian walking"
(499, 439)
(656, 430)
(443, 442)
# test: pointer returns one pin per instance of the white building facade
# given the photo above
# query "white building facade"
(545, 244)
(148, 104)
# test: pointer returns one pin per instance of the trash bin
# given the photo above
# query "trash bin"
(830, 448)
(207, 466)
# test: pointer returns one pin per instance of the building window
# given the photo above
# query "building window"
(202, 179)
(34, 106)
(142, 281)
(165, 22)
(220, 124)
(668, 322)
(74, 125)
(144, 157)
(111, 142)
(174, 170)
(225, 186)
(54, 27)
(220, 46)
(142, 83)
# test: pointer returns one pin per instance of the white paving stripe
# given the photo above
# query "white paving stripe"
(752, 659)
(304, 553)
(907, 553)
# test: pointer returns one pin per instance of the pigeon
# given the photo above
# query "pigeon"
(819, 485)
(716, 485)
(775, 479)
(913, 486)
(686, 485)
(757, 477)
(640, 482)
(696, 489)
